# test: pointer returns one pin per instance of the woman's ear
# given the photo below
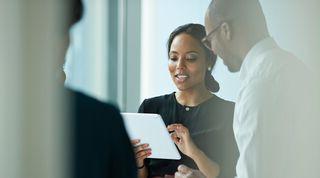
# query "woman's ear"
(209, 65)
(226, 31)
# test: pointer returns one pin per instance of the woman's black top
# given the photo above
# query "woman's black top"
(210, 126)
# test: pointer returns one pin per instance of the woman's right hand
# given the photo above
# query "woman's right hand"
(142, 151)
(181, 137)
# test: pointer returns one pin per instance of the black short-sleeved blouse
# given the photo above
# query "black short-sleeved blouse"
(210, 126)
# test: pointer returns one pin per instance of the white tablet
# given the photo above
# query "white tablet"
(150, 128)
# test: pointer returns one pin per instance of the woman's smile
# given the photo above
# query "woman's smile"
(181, 77)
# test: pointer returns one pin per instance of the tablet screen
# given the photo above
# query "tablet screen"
(150, 128)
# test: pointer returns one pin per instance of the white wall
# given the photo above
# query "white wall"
(295, 25)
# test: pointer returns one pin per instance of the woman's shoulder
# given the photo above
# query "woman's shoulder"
(159, 99)
(156, 102)
(219, 113)
(221, 101)
(220, 106)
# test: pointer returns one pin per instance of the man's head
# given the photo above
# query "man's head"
(73, 12)
(233, 27)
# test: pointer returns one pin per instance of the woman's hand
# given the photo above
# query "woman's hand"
(181, 137)
(142, 151)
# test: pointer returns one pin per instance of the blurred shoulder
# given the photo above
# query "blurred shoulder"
(85, 104)
(89, 101)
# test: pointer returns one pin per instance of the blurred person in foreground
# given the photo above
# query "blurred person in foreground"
(100, 147)
(275, 119)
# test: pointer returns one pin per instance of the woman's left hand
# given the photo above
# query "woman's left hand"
(181, 137)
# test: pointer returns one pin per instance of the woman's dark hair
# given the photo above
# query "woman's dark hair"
(197, 31)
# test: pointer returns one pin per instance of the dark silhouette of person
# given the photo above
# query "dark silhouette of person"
(100, 147)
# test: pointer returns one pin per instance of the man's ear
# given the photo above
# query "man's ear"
(226, 30)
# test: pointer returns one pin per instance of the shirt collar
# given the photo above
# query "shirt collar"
(250, 59)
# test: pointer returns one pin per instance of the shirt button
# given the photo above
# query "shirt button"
(187, 108)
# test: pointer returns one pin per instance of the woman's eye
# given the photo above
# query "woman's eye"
(191, 57)
(173, 58)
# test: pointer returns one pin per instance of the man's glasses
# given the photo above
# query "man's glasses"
(206, 40)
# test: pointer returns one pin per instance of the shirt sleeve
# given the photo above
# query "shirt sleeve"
(142, 107)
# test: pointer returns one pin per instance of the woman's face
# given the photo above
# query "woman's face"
(187, 63)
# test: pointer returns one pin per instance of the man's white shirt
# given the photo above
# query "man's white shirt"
(274, 122)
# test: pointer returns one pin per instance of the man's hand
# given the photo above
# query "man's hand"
(186, 172)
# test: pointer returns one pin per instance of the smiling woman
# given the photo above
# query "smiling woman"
(200, 122)
(185, 51)
(155, 29)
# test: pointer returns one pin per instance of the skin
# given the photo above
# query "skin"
(186, 172)
(187, 66)
(233, 39)
(182, 139)
(142, 151)
(222, 42)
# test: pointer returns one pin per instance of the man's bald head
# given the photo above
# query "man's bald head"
(234, 27)
(245, 13)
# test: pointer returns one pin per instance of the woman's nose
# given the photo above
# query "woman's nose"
(180, 63)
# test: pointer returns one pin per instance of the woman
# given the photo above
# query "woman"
(201, 122)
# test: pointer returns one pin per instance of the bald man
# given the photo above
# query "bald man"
(275, 121)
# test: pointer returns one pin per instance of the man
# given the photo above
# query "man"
(100, 144)
(275, 120)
